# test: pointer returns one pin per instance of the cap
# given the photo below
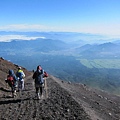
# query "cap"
(19, 67)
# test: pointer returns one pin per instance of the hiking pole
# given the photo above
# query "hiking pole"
(46, 94)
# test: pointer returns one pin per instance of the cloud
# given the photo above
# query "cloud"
(8, 38)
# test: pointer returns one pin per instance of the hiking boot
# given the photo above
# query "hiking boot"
(38, 95)
(15, 94)
(42, 96)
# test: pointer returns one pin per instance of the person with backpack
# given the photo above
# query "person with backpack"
(12, 82)
(39, 81)
(21, 75)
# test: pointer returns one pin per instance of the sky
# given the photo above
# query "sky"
(84, 16)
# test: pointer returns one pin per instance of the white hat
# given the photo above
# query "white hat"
(19, 67)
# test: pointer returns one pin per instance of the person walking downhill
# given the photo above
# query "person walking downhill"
(39, 81)
(12, 82)
(21, 75)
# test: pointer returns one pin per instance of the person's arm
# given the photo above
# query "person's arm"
(15, 78)
(23, 74)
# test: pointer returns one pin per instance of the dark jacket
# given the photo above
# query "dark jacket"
(38, 76)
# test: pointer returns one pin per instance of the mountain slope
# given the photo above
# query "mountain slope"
(62, 101)
(4, 68)
(100, 105)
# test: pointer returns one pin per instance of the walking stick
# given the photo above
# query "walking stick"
(46, 94)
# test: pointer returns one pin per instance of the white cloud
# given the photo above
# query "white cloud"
(7, 38)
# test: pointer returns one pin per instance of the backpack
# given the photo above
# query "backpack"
(10, 79)
(20, 74)
(45, 74)
(39, 77)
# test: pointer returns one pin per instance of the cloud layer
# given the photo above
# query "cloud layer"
(8, 38)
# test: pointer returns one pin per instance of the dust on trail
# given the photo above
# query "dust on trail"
(57, 105)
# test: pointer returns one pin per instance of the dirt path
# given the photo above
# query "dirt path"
(59, 105)
(97, 104)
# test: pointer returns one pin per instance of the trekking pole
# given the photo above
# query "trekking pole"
(46, 94)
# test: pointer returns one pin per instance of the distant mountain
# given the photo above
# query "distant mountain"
(31, 46)
(84, 48)
(106, 50)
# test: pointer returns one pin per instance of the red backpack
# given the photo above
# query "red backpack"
(45, 74)
(10, 79)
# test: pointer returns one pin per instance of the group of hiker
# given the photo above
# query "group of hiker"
(17, 80)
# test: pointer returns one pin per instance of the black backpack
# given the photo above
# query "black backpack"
(39, 77)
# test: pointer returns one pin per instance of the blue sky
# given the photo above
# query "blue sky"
(85, 16)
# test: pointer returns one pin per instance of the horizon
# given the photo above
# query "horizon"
(83, 16)
(8, 36)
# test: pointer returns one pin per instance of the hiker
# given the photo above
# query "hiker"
(12, 82)
(21, 75)
(39, 81)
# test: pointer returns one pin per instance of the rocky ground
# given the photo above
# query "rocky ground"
(61, 101)
(99, 105)
(57, 104)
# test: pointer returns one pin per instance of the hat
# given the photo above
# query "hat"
(19, 67)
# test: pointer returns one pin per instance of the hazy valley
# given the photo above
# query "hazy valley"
(70, 57)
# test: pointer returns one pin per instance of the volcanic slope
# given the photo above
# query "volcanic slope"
(61, 101)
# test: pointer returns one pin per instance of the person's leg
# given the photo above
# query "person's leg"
(22, 85)
(37, 90)
(19, 85)
(41, 90)
(12, 90)
(15, 87)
